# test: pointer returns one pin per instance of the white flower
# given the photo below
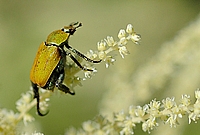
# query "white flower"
(89, 74)
(123, 51)
(154, 107)
(101, 45)
(197, 94)
(132, 110)
(150, 124)
(109, 60)
(120, 116)
(134, 37)
(102, 55)
(195, 115)
(121, 34)
(168, 102)
(172, 120)
(92, 54)
(128, 127)
(177, 110)
(28, 118)
(10, 116)
(90, 126)
(185, 100)
(122, 41)
(140, 111)
(110, 41)
(154, 104)
(23, 102)
(129, 29)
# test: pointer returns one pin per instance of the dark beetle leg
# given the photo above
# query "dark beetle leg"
(61, 86)
(37, 96)
(80, 54)
(77, 63)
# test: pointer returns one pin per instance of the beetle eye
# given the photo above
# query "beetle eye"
(66, 30)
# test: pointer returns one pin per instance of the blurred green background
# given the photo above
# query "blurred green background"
(25, 24)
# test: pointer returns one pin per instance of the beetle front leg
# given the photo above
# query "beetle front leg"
(37, 96)
(61, 86)
(80, 54)
(77, 63)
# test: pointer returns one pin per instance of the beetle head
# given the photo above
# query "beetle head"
(71, 28)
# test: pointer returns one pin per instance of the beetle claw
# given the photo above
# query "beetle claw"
(38, 106)
(71, 93)
(41, 114)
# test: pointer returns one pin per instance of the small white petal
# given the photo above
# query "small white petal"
(101, 46)
(129, 28)
(122, 33)
(110, 41)
(123, 51)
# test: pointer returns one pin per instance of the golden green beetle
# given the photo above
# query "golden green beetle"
(48, 69)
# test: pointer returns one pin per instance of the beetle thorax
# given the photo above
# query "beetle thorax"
(57, 37)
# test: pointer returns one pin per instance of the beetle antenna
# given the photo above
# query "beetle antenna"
(76, 23)
(80, 24)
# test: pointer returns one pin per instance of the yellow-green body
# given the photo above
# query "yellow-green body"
(46, 60)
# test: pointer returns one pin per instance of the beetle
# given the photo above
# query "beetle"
(48, 70)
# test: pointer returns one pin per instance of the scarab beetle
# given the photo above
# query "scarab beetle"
(48, 70)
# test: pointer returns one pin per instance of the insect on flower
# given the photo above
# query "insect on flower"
(48, 70)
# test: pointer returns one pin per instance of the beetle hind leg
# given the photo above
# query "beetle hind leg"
(37, 96)
(61, 86)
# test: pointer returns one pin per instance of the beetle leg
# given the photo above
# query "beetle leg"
(61, 86)
(37, 96)
(77, 63)
(81, 55)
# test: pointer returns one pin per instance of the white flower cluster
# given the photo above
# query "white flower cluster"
(23, 105)
(9, 120)
(167, 110)
(109, 45)
(104, 47)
